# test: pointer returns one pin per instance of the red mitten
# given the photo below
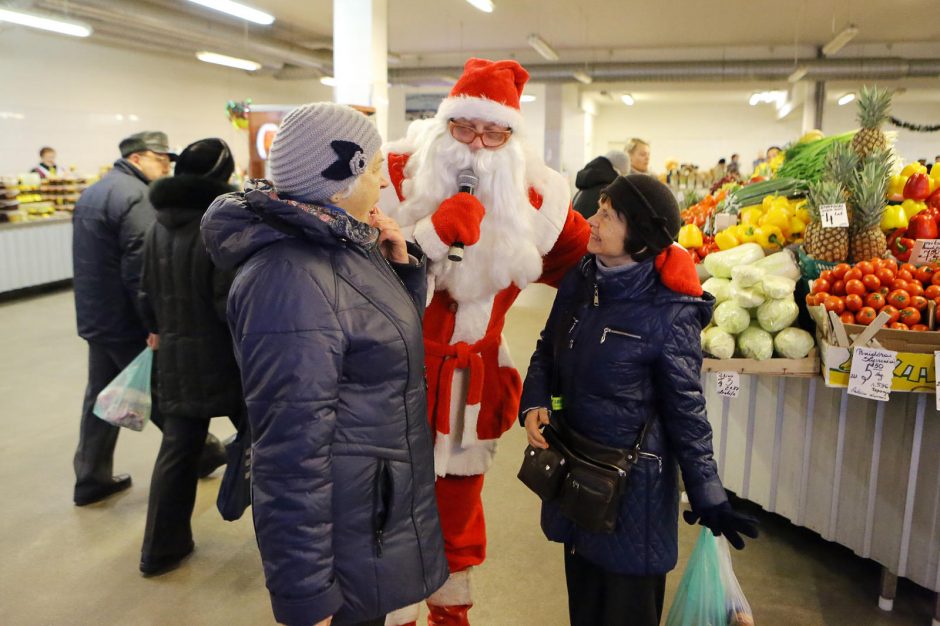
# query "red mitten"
(458, 219)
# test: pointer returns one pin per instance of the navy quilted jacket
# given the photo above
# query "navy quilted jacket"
(328, 339)
(631, 353)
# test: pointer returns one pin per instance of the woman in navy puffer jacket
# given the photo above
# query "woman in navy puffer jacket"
(325, 313)
(625, 325)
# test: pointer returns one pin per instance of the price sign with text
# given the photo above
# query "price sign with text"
(872, 370)
(834, 215)
(925, 251)
(724, 220)
(729, 384)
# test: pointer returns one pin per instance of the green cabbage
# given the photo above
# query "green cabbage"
(779, 264)
(775, 315)
(720, 263)
(718, 287)
(747, 297)
(756, 343)
(731, 318)
(746, 275)
(793, 343)
(718, 343)
(778, 287)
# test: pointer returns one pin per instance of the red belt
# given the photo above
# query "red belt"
(460, 355)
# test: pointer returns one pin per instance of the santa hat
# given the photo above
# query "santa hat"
(487, 90)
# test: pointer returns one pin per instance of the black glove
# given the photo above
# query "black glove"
(723, 520)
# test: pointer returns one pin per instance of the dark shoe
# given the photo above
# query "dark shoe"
(164, 564)
(213, 456)
(90, 495)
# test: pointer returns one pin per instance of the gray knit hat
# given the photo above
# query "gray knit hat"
(320, 149)
(620, 161)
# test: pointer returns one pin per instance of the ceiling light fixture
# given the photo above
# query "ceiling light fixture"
(627, 99)
(583, 77)
(329, 81)
(798, 74)
(237, 9)
(527, 98)
(541, 46)
(838, 42)
(221, 59)
(75, 29)
(768, 97)
(844, 100)
(484, 5)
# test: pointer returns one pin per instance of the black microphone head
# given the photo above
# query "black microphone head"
(467, 178)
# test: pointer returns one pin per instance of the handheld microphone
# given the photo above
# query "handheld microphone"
(466, 182)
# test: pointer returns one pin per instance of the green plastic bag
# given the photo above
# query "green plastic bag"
(700, 599)
(126, 400)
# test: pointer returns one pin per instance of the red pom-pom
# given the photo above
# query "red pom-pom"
(677, 271)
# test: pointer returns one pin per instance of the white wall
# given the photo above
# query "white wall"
(69, 93)
(910, 145)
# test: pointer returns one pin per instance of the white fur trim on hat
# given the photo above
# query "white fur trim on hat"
(481, 109)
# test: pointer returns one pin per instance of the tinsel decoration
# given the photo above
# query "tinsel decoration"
(238, 113)
(917, 128)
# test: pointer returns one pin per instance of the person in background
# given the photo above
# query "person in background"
(622, 342)
(639, 151)
(936, 159)
(46, 167)
(182, 300)
(325, 313)
(772, 152)
(110, 221)
(596, 175)
(734, 167)
(922, 162)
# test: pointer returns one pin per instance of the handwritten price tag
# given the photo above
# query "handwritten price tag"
(925, 251)
(729, 384)
(833, 215)
(872, 369)
(724, 220)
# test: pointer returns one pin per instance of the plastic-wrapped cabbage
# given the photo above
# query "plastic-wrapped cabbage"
(747, 297)
(746, 275)
(718, 287)
(718, 343)
(756, 343)
(775, 315)
(720, 263)
(793, 343)
(778, 287)
(731, 318)
(779, 264)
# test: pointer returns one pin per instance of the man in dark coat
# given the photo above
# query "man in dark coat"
(595, 176)
(182, 300)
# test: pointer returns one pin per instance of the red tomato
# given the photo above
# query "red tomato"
(906, 275)
(909, 268)
(885, 275)
(919, 302)
(838, 288)
(932, 291)
(875, 301)
(839, 270)
(900, 283)
(890, 264)
(915, 289)
(924, 274)
(847, 317)
(935, 279)
(821, 284)
(854, 302)
(910, 316)
(871, 282)
(884, 291)
(920, 327)
(853, 274)
(898, 326)
(835, 303)
(854, 286)
(827, 275)
(865, 316)
(867, 267)
(892, 312)
(899, 298)
(810, 299)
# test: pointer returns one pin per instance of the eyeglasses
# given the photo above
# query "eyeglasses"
(489, 138)
(163, 159)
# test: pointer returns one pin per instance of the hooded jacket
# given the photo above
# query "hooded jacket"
(328, 338)
(110, 221)
(630, 352)
(183, 297)
(590, 181)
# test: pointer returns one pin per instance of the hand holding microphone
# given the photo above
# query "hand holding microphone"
(457, 220)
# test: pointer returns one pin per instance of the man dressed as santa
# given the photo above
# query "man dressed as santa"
(467, 183)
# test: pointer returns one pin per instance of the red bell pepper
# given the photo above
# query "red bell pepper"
(933, 200)
(917, 187)
(900, 245)
(922, 226)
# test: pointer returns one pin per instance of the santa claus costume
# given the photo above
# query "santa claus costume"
(517, 228)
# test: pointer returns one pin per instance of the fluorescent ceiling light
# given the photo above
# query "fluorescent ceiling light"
(329, 81)
(75, 29)
(844, 100)
(221, 59)
(541, 46)
(839, 41)
(527, 98)
(769, 97)
(627, 99)
(238, 10)
(583, 77)
(798, 74)
(484, 5)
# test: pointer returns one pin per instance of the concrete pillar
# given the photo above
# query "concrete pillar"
(554, 122)
(360, 56)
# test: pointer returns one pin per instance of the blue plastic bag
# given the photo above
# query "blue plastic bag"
(700, 599)
(126, 400)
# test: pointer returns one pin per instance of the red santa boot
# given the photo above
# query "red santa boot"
(448, 615)
(450, 604)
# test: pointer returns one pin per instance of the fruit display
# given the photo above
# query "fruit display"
(868, 185)
(873, 107)
(826, 244)
(857, 293)
(807, 161)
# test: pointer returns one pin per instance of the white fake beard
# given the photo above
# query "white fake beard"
(506, 252)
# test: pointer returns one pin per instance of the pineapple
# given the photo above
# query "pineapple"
(866, 241)
(841, 162)
(873, 107)
(825, 244)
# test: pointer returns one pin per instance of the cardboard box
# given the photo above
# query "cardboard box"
(806, 367)
(914, 372)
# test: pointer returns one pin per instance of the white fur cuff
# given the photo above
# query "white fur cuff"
(427, 238)
(455, 592)
(404, 615)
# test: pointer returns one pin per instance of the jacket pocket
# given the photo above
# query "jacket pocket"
(382, 502)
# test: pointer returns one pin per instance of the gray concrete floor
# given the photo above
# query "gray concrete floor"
(65, 565)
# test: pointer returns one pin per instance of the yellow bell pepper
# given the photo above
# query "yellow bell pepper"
(797, 226)
(935, 171)
(896, 186)
(912, 207)
(726, 239)
(767, 202)
(777, 216)
(690, 236)
(803, 214)
(751, 215)
(913, 168)
(781, 202)
(770, 237)
(746, 233)
(894, 217)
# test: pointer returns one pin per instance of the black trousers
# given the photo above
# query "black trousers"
(597, 597)
(173, 486)
(94, 458)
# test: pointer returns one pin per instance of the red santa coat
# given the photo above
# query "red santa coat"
(482, 367)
